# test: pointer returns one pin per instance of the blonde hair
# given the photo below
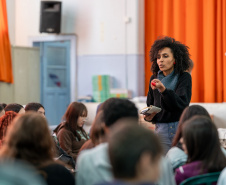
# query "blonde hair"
(29, 139)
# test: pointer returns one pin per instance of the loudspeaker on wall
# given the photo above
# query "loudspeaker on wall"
(50, 17)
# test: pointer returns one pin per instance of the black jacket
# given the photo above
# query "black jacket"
(172, 102)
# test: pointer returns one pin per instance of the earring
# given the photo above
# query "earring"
(174, 63)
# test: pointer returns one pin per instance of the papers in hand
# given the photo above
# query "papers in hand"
(150, 110)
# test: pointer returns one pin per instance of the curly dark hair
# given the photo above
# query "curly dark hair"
(179, 50)
(116, 108)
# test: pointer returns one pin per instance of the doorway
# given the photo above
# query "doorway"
(57, 75)
(55, 79)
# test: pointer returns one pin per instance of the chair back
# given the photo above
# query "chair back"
(206, 179)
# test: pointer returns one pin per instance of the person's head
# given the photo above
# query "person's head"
(29, 139)
(97, 133)
(166, 54)
(5, 121)
(37, 107)
(75, 115)
(134, 153)
(117, 108)
(201, 143)
(190, 111)
(2, 111)
(15, 107)
(4, 104)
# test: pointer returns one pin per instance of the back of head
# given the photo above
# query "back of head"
(13, 107)
(193, 110)
(202, 143)
(97, 133)
(7, 118)
(189, 112)
(127, 143)
(116, 108)
(29, 139)
(33, 107)
(5, 122)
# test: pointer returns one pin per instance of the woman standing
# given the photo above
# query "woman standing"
(70, 132)
(169, 88)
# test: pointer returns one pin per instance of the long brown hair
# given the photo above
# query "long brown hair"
(188, 112)
(202, 142)
(29, 139)
(97, 133)
(74, 110)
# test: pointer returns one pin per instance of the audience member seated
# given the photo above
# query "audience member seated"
(15, 107)
(176, 155)
(200, 142)
(28, 139)
(97, 134)
(222, 178)
(37, 107)
(70, 132)
(135, 154)
(95, 161)
(2, 111)
(5, 122)
(59, 153)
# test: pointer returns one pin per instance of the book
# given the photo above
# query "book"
(150, 110)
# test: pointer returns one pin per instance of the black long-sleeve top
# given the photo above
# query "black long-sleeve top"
(171, 102)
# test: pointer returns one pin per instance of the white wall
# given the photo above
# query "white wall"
(105, 29)
(100, 25)
(11, 19)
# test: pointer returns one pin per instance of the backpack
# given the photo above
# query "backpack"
(61, 155)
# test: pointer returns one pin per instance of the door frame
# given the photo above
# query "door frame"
(73, 62)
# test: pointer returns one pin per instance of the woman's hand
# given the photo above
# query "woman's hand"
(149, 117)
(157, 84)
